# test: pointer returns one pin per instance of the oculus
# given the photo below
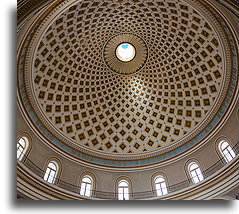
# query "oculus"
(125, 52)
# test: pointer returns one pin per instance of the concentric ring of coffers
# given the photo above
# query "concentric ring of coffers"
(87, 109)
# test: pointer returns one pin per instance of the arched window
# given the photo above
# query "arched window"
(160, 186)
(86, 186)
(123, 190)
(195, 172)
(51, 172)
(22, 146)
(226, 151)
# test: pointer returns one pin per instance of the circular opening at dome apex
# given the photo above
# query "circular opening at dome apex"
(125, 52)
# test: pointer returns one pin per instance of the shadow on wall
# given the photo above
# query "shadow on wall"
(207, 205)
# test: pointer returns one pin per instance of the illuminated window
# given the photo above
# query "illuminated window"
(22, 145)
(51, 172)
(125, 52)
(195, 173)
(123, 190)
(226, 151)
(86, 186)
(160, 186)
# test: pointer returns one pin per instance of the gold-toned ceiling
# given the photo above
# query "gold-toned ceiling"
(163, 103)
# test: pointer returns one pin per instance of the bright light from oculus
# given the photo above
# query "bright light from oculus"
(125, 52)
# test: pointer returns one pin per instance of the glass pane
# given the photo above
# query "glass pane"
(86, 179)
(165, 191)
(120, 193)
(200, 176)
(52, 166)
(87, 193)
(231, 152)
(193, 166)
(120, 190)
(158, 189)
(225, 152)
(19, 152)
(22, 142)
(198, 171)
(20, 149)
(163, 185)
(228, 157)
(52, 173)
(88, 186)
(82, 189)
(159, 192)
(123, 183)
(126, 193)
(193, 173)
(88, 190)
(164, 188)
(157, 186)
(50, 179)
(224, 145)
(159, 179)
(46, 174)
(195, 179)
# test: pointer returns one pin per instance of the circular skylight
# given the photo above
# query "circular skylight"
(125, 52)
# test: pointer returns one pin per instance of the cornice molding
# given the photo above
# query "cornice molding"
(147, 160)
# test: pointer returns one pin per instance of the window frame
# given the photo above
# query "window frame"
(23, 148)
(86, 184)
(199, 176)
(161, 189)
(57, 173)
(48, 172)
(125, 190)
(228, 149)
(27, 139)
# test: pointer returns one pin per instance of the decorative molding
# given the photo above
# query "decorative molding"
(211, 187)
(147, 158)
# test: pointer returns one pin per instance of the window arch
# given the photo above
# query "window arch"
(123, 190)
(227, 151)
(86, 186)
(160, 185)
(195, 172)
(51, 172)
(22, 146)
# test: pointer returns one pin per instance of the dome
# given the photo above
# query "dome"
(127, 84)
